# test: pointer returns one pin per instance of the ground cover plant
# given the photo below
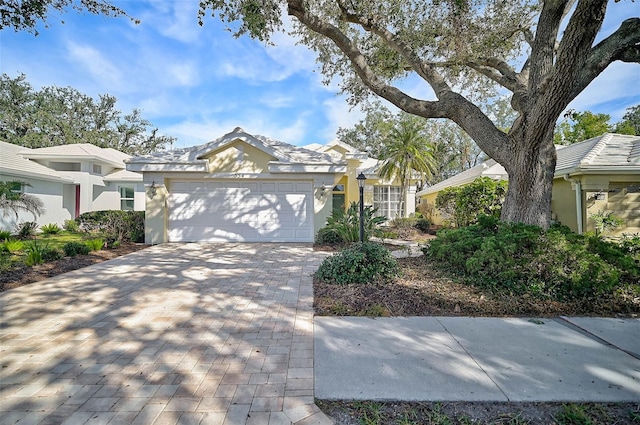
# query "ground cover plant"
(360, 263)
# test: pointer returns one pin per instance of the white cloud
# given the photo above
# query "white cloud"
(184, 74)
(339, 114)
(95, 63)
(175, 19)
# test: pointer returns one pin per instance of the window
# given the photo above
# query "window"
(16, 187)
(65, 166)
(338, 198)
(97, 169)
(126, 198)
(387, 200)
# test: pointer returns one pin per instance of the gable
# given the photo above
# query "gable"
(238, 157)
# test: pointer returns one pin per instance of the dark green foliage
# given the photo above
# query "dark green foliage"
(462, 205)
(26, 229)
(362, 263)
(115, 225)
(71, 249)
(39, 253)
(4, 234)
(347, 225)
(327, 236)
(50, 254)
(525, 259)
(423, 224)
(51, 229)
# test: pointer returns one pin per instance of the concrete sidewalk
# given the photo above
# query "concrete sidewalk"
(477, 359)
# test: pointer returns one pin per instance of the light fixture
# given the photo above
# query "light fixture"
(153, 190)
(361, 179)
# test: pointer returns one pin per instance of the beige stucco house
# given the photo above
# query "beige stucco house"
(70, 180)
(599, 174)
(250, 188)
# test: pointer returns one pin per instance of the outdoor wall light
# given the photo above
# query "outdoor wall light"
(153, 190)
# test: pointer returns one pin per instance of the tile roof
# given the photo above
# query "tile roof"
(80, 150)
(123, 175)
(13, 164)
(283, 152)
(488, 168)
(609, 151)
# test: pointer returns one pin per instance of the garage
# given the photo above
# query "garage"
(241, 211)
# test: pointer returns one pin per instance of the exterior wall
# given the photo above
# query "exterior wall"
(563, 204)
(108, 197)
(623, 200)
(239, 157)
(156, 215)
(51, 194)
(436, 217)
(322, 208)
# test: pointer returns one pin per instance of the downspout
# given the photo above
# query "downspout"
(578, 187)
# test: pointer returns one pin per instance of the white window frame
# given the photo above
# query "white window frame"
(382, 200)
(124, 199)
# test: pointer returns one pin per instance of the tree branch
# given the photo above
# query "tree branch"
(622, 45)
(543, 47)
(425, 71)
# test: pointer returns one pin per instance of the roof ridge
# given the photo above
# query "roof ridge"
(597, 149)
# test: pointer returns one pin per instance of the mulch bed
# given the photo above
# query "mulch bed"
(423, 291)
(25, 275)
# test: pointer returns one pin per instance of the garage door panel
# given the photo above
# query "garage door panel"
(241, 211)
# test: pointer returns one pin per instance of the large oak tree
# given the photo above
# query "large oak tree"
(455, 46)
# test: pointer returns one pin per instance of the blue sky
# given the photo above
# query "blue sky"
(198, 83)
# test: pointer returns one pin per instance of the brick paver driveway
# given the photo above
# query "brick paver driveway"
(176, 333)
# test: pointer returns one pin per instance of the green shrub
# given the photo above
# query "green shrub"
(26, 229)
(362, 263)
(462, 205)
(12, 246)
(605, 221)
(50, 254)
(5, 234)
(403, 222)
(34, 254)
(347, 225)
(121, 226)
(631, 244)
(50, 229)
(95, 244)
(525, 259)
(71, 226)
(423, 224)
(327, 236)
(71, 249)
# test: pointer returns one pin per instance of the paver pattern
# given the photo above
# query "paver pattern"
(173, 334)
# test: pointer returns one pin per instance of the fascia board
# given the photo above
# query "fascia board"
(278, 167)
(37, 176)
(199, 166)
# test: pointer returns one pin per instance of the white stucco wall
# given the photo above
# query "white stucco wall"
(56, 208)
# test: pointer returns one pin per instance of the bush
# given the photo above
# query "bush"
(26, 229)
(347, 225)
(71, 249)
(12, 246)
(361, 263)
(463, 204)
(4, 235)
(71, 226)
(121, 226)
(326, 236)
(95, 244)
(423, 224)
(50, 229)
(522, 259)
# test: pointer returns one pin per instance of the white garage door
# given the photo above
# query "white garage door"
(242, 211)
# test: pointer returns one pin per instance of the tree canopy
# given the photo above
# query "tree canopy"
(579, 126)
(543, 52)
(56, 116)
(25, 15)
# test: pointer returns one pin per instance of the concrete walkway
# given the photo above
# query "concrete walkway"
(210, 334)
(477, 359)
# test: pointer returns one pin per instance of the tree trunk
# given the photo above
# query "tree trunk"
(530, 171)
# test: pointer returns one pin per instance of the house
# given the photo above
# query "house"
(70, 180)
(601, 174)
(250, 188)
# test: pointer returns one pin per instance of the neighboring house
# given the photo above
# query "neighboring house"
(249, 188)
(70, 180)
(599, 174)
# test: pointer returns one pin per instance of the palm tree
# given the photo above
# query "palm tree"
(407, 150)
(12, 201)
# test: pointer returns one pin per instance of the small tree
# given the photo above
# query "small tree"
(12, 201)
(483, 196)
